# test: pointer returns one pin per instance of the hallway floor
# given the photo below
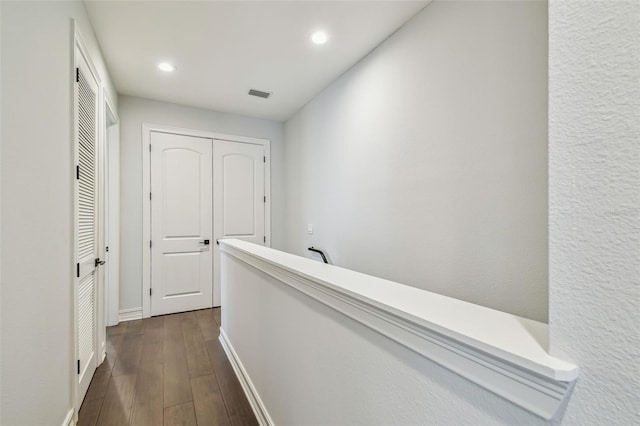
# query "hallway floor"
(167, 370)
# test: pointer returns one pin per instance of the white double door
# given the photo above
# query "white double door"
(201, 190)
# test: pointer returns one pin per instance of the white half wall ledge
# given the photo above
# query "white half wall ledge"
(501, 352)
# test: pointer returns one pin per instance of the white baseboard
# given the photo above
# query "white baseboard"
(69, 420)
(130, 314)
(250, 391)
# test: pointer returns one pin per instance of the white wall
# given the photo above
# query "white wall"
(426, 163)
(37, 204)
(594, 205)
(594, 268)
(134, 112)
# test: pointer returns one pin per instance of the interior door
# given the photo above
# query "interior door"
(239, 197)
(86, 218)
(181, 222)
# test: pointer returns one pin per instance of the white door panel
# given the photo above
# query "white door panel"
(239, 191)
(182, 273)
(239, 195)
(86, 219)
(181, 220)
(181, 168)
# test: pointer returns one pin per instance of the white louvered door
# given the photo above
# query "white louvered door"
(86, 234)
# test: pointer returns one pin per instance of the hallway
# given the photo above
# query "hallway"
(167, 370)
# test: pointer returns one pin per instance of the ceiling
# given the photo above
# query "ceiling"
(224, 48)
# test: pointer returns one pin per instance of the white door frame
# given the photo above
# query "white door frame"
(112, 214)
(147, 128)
(79, 45)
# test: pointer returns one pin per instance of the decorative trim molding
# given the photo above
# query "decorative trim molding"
(69, 420)
(250, 391)
(537, 386)
(130, 314)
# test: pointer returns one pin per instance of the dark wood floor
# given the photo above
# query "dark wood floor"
(167, 370)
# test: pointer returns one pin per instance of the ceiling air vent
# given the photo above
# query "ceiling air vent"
(259, 93)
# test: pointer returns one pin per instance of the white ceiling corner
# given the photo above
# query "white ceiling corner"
(224, 48)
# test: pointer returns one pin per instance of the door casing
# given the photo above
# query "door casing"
(147, 128)
(111, 211)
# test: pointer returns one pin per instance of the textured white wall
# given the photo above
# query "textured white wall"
(426, 163)
(37, 192)
(594, 205)
(134, 112)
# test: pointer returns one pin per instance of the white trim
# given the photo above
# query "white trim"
(493, 349)
(110, 105)
(102, 238)
(79, 41)
(130, 314)
(262, 415)
(147, 128)
(112, 181)
(69, 420)
(75, 45)
(146, 221)
(203, 134)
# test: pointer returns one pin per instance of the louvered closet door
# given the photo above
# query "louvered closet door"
(86, 110)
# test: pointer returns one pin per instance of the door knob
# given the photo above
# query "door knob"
(205, 242)
(99, 262)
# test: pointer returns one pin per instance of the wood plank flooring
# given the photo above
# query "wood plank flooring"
(168, 370)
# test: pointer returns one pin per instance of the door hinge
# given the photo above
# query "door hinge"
(149, 147)
(78, 366)
(77, 80)
(78, 172)
(149, 195)
(264, 159)
(265, 239)
(78, 270)
(150, 292)
(106, 249)
(265, 198)
(150, 243)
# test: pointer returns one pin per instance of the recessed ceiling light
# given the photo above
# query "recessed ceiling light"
(166, 66)
(319, 37)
